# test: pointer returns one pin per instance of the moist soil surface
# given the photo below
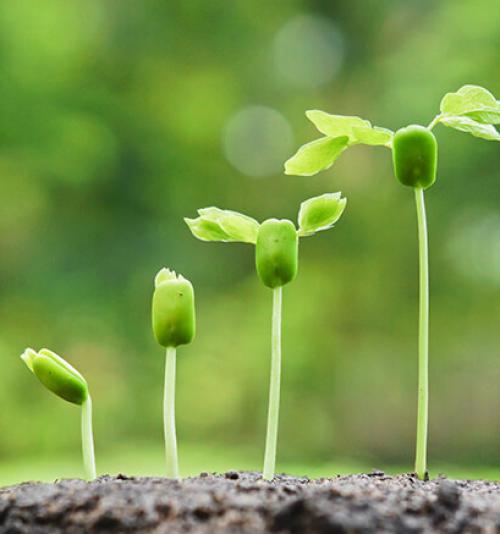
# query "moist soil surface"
(243, 502)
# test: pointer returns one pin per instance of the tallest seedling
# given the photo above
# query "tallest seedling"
(414, 154)
(472, 109)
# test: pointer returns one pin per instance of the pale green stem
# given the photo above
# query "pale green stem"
(274, 389)
(434, 121)
(423, 339)
(169, 415)
(88, 440)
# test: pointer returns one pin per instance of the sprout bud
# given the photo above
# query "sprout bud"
(173, 309)
(415, 156)
(57, 375)
(276, 252)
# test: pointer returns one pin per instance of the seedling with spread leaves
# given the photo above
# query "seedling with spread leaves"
(471, 109)
(173, 325)
(276, 259)
(58, 376)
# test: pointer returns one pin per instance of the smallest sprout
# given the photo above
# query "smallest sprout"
(62, 379)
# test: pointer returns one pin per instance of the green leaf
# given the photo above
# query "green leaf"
(467, 99)
(215, 224)
(320, 213)
(471, 109)
(486, 115)
(316, 156)
(374, 135)
(358, 130)
(466, 124)
(206, 230)
(336, 125)
(237, 226)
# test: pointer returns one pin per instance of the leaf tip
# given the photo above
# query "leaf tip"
(164, 275)
(28, 357)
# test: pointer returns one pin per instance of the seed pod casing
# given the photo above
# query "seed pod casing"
(173, 311)
(276, 252)
(57, 375)
(414, 156)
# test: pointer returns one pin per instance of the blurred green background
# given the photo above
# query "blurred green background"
(119, 118)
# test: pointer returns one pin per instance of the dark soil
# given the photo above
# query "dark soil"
(242, 502)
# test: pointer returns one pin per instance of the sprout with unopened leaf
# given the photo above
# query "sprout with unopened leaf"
(59, 377)
(173, 318)
(472, 109)
(276, 260)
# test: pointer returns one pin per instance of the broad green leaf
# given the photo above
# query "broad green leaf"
(467, 99)
(336, 125)
(486, 115)
(237, 226)
(373, 135)
(215, 224)
(316, 156)
(320, 213)
(466, 124)
(358, 130)
(206, 230)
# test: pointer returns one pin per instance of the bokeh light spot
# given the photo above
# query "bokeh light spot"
(257, 140)
(308, 51)
(474, 247)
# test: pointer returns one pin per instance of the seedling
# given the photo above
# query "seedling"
(471, 109)
(58, 376)
(276, 259)
(173, 325)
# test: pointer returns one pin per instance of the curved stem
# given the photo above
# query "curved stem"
(88, 440)
(169, 415)
(434, 121)
(274, 389)
(423, 338)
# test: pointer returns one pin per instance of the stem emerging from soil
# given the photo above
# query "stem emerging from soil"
(274, 389)
(169, 415)
(88, 440)
(423, 339)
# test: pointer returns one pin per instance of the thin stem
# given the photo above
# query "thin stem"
(434, 121)
(169, 415)
(423, 339)
(274, 389)
(88, 440)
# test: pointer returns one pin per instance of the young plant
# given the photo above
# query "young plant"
(471, 109)
(58, 376)
(276, 259)
(173, 325)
